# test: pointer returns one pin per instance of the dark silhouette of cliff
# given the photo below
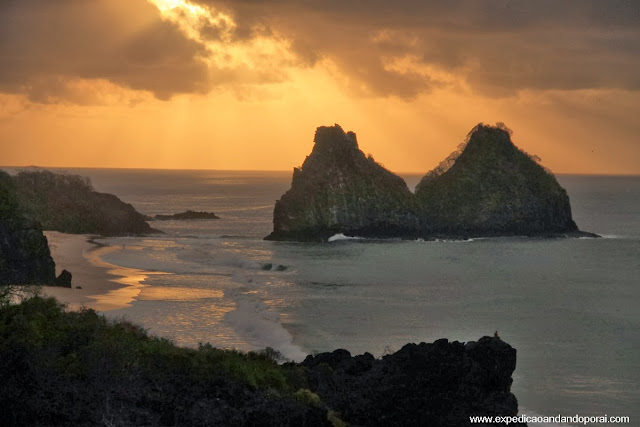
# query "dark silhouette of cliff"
(340, 190)
(24, 251)
(437, 384)
(68, 203)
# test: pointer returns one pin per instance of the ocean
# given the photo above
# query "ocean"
(569, 306)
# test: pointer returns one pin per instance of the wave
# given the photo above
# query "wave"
(610, 236)
(341, 236)
(259, 325)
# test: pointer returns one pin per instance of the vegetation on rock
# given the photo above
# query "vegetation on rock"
(492, 188)
(68, 203)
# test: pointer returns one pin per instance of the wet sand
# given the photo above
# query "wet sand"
(104, 286)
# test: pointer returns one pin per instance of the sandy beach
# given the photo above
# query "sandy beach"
(103, 286)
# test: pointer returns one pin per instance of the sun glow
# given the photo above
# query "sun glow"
(193, 19)
(257, 59)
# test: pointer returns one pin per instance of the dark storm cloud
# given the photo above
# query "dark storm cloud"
(500, 46)
(44, 44)
(497, 46)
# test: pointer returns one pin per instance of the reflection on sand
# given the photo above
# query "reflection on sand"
(131, 280)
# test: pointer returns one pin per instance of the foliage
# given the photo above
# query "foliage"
(77, 368)
(308, 397)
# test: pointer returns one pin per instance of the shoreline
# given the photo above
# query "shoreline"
(104, 286)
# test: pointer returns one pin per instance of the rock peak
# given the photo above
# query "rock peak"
(334, 138)
(340, 190)
(487, 137)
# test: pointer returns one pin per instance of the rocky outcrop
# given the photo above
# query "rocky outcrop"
(438, 384)
(68, 204)
(24, 250)
(187, 215)
(64, 279)
(488, 188)
(340, 190)
(492, 188)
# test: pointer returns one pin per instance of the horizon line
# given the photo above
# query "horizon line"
(272, 170)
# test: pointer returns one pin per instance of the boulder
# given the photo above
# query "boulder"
(64, 279)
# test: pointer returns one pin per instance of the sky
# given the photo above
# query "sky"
(243, 84)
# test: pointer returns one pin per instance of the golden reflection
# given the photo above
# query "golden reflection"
(163, 293)
(131, 280)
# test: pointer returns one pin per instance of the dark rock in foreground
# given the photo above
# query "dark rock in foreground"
(187, 215)
(68, 204)
(491, 188)
(24, 250)
(439, 384)
(340, 190)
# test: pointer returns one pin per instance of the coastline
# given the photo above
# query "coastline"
(104, 286)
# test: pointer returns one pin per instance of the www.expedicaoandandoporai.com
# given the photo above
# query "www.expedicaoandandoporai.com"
(557, 419)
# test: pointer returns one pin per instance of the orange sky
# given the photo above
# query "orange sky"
(243, 84)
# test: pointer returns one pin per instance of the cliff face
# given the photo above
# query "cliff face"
(340, 190)
(68, 203)
(439, 384)
(493, 188)
(24, 250)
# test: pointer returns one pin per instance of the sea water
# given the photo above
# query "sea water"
(569, 306)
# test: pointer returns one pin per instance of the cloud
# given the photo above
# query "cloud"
(498, 46)
(493, 47)
(44, 45)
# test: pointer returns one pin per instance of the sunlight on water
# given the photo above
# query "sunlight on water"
(132, 280)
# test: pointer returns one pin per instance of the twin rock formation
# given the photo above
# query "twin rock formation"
(489, 188)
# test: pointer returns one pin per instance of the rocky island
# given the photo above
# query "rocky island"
(492, 188)
(69, 204)
(340, 190)
(187, 215)
(488, 188)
